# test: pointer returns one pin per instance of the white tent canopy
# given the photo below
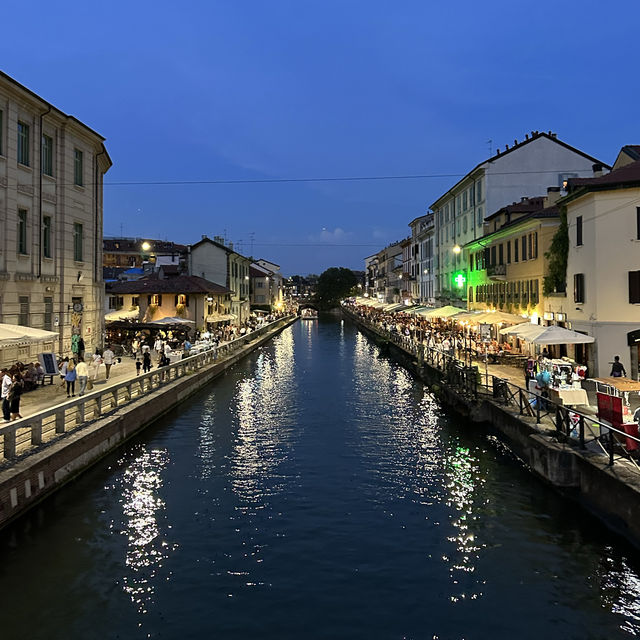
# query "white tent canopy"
(112, 316)
(558, 335)
(442, 312)
(15, 333)
(494, 317)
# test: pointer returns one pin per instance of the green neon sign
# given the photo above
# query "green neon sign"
(460, 280)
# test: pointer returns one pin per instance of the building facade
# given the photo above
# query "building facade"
(603, 266)
(507, 264)
(51, 219)
(524, 170)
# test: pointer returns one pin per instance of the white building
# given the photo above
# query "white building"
(526, 169)
(422, 234)
(51, 176)
(603, 264)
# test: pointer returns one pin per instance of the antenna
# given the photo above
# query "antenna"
(490, 143)
(252, 235)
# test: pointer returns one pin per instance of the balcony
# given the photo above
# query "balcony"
(497, 272)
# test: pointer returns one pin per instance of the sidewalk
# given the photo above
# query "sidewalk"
(50, 395)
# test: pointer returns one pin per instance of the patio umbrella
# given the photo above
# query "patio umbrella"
(558, 335)
(442, 312)
(497, 317)
(523, 329)
(173, 320)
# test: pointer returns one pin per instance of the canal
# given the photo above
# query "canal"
(315, 491)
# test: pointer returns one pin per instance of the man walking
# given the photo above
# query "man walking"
(82, 371)
(6, 385)
(107, 358)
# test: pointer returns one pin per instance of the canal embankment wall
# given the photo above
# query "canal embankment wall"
(610, 492)
(37, 475)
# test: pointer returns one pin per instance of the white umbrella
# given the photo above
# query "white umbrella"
(523, 329)
(557, 335)
(12, 333)
(497, 317)
(442, 312)
(173, 320)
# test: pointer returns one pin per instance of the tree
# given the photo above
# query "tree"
(334, 284)
(556, 279)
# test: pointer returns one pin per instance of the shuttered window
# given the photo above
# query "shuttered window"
(578, 287)
(634, 287)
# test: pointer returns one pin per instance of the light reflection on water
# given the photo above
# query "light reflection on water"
(318, 491)
(140, 488)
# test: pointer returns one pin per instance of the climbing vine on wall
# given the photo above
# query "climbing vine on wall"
(556, 279)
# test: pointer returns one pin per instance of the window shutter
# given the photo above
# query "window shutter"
(149, 299)
(176, 302)
(634, 287)
(160, 300)
(186, 301)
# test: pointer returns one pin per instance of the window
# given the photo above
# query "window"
(578, 287)
(260, 284)
(22, 231)
(135, 301)
(479, 191)
(524, 248)
(48, 314)
(77, 242)
(23, 143)
(155, 299)
(493, 256)
(182, 299)
(516, 245)
(116, 302)
(1, 132)
(534, 253)
(46, 236)
(637, 208)
(634, 287)
(480, 217)
(23, 316)
(579, 231)
(508, 251)
(501, 254)
(47, 155)
(77, 167)
(464, 225)
(464, 201)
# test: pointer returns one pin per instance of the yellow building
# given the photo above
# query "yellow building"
(507, 264)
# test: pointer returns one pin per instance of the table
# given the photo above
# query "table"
(568, 396)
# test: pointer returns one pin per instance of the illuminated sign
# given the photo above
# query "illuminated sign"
(460, 280)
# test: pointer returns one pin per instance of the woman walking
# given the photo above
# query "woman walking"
(70, 378)
(15, 392)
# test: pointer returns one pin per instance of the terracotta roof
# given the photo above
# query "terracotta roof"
(525, 206)
(627, 175)
(180, 284)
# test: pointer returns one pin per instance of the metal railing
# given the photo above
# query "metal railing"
(26, 434)
(570, 425)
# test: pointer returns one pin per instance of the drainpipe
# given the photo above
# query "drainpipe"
(42, 115)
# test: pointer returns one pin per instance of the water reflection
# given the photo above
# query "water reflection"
(142, 508)
(264, 412)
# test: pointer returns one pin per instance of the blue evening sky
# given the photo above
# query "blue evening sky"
(270, 89)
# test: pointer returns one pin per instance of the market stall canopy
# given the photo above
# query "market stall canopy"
(442, 312)
(495, 317)
(14, 333)
(172, 320)
(112, 316)
(623, 385)
(557, 335)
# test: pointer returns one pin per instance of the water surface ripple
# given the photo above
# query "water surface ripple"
(314, 491)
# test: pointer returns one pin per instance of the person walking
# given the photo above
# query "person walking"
(81, 348)
(14, 395)
(617, 368)
(6, 385)
(82, 371)
(107, 358)
(146, 361)
(70, 378)
(96, 362)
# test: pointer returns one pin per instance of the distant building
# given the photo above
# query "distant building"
(51, 214)
(525, 169)
(219, 263)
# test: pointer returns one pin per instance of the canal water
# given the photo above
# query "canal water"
(315, 491)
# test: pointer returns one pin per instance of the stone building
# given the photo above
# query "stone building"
(51, 207)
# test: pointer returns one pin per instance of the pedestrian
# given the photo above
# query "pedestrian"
(14, 395)
(617, 368)
(70, 378)
(146, 362)
(6, 385)
(82, 372)
(138, 366)
(81, 348)
(96, 361)
(107, 358)
(62, 370)
(530, 370)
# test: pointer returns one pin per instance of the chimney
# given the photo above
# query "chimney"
(554, 135)
(553, 195)
(506, 147)
(524, 199)
(204, 236)
(515, 143)
(597, 170)
(526, 136)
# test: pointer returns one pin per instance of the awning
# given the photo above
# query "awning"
(172, 320)
(112, 316)
(221, 317)
(442, 312)
(16, 334)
